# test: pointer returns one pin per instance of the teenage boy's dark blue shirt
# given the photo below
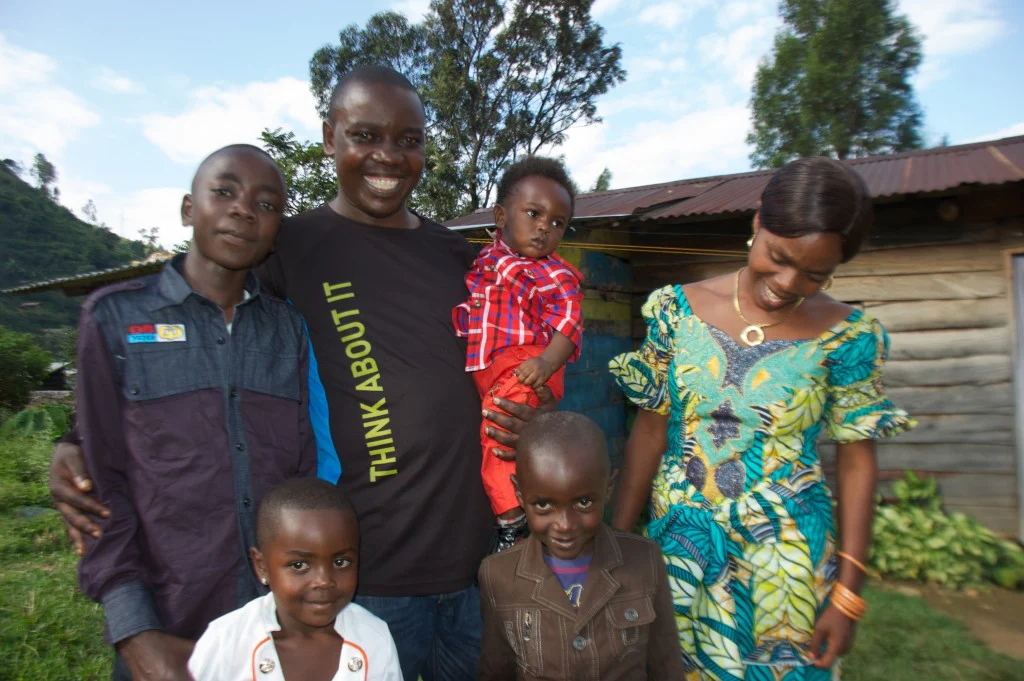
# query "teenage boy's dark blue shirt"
(185, 426)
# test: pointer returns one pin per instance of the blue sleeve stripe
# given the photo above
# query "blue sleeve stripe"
(328, 465)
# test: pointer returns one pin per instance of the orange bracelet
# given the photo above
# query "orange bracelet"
(848, 603)
(853, 560)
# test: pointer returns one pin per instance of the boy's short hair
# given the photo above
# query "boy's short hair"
(370, 74)
(540, 166)
(562, 430)
(233, 148)
(298, 494)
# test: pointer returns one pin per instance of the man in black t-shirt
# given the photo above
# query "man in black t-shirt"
(395, 414)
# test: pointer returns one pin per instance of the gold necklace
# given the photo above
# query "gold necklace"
(756, 329)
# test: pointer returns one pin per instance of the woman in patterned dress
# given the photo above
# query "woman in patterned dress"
(738, 377)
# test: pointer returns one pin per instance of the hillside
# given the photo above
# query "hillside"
(40, 239)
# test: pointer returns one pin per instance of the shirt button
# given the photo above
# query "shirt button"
(234, 392)
(221, 340)
(476, 303)
(631, 615)
(247, 502)
(579, 643)
(135, 391)
(239, 446)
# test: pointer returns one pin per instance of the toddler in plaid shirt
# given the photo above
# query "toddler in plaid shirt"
(523, 318)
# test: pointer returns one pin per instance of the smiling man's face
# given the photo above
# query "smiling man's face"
(376, 136)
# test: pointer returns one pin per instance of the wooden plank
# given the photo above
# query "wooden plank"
(950, 314)
(948, 458)
(960, 429)
(929, 259)
(1001, 520)
(978, 370)
(947, 286)
(976, 489)
(989, 399)
(950, 343)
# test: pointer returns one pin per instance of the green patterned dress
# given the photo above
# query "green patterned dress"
(739, 504)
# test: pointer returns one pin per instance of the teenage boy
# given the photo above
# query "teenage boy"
(397, 418)
(191, 405)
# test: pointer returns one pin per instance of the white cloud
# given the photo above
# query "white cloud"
(109, 80)
(737, 51)
(414, 10)
(602, 8)
(696, 144)
(669, 15)
(646, 66)
(35, 114)
(950, 28)
(1014, 130)
(737, 11)
(217, 116)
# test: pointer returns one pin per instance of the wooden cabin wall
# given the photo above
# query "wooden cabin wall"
(947, 310)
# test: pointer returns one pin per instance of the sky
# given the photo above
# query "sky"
(126, 98)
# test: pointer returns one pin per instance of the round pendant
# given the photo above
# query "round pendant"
(758, 335)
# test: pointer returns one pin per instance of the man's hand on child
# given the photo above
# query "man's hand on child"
(157, 656)
(512, 417)
(70, 489)
(534, 372)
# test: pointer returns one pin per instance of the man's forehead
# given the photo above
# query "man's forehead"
(380, 99)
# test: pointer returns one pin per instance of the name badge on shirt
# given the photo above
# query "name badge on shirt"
(156, 333)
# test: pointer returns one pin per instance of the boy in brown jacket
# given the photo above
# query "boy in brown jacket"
(577, 599)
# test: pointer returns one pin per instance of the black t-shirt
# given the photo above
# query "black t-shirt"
(404, 415)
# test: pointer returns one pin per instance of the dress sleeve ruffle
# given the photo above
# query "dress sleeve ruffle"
(857, 407)
(643, 376)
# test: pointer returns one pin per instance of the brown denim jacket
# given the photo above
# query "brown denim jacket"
(624, 630)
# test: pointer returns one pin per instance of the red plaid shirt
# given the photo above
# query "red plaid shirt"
(518, 301)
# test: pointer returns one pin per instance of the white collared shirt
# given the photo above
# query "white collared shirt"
(240, 646)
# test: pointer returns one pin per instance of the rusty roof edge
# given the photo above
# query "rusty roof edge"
(56, 282)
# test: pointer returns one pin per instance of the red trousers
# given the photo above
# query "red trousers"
(497, 380)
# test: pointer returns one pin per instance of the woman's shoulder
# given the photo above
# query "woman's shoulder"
(667, 304)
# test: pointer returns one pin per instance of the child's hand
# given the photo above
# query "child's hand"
(534, 372)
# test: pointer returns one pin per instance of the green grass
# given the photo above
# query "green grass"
(902, 638)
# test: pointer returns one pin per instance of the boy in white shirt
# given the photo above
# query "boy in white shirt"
(307, 628)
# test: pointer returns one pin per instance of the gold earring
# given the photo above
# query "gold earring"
(750, 242)
(828, 284)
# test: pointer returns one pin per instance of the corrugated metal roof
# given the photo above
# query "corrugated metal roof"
(912, 172)
(82, 283)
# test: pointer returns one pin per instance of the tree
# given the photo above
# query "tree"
(603, 182)
(499, 80)
(13, 166)
(308, 172)
(150, 237)
(89, 211)
(45, 174)
(24, 367)
(837, 83)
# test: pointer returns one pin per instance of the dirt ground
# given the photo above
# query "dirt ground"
(994, 616)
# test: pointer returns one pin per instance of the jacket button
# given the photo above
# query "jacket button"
(631, 615)
(239, 446)
(247, 502)
(221, 340)
(234, 392)
(135, 391)
(579, 643)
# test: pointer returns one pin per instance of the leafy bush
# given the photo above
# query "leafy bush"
(915, 540)
(24, 465)
(23, 366)
(49, 420)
